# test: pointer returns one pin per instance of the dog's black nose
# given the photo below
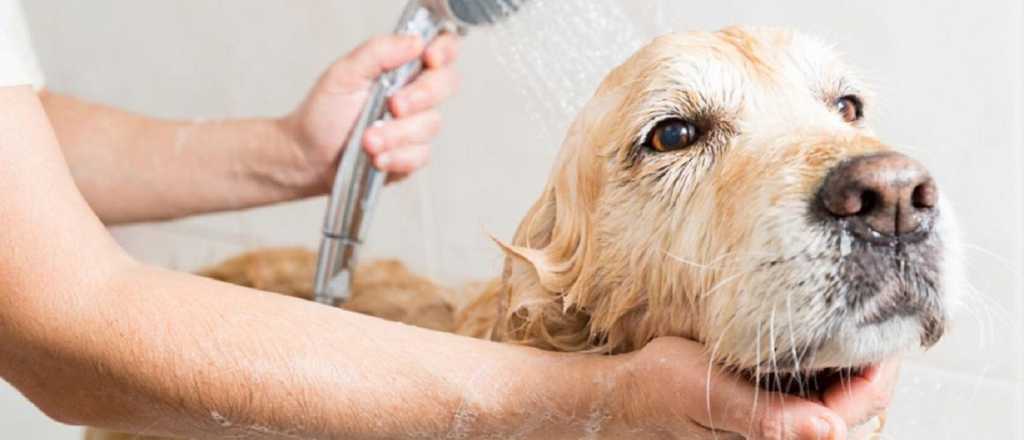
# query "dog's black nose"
(884, 196)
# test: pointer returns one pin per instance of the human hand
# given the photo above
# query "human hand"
(666, 390)
(863, 400)
(322, 123)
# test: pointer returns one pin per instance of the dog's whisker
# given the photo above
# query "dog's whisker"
(986, 313)
(1002, 259)
(757, 376)
(721, 260)
(792, 342)
(721, 284)
(772, 351)
(711, 364)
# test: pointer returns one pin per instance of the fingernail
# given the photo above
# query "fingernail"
(374, 142)
(822, 428)
(383, 161)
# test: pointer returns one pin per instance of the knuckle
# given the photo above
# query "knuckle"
(370, 47)
(340, 67)
(444, 79)
(425, 92)
(433, 119)
(378, 42)
(424, 158)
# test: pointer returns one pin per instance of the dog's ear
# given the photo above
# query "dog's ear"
(544, 282)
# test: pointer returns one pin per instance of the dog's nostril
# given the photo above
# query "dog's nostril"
(884, 195)
(869, 201)
(926, 195)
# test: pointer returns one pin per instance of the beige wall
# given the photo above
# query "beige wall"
(948, 72)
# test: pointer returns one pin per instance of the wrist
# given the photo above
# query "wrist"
(298, 170)
(614, 399)
(561, 395)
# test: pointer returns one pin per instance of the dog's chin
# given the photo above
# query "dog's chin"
(855, 345)
(853, 352)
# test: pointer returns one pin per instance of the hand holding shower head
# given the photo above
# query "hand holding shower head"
(354, 194)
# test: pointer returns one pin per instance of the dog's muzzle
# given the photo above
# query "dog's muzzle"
(885, 206)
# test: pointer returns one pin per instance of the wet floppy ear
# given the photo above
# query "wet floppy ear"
(546, 262)
(555, 237)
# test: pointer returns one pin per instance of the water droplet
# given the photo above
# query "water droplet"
(845, 244)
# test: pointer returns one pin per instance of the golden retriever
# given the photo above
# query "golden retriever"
(724, 187)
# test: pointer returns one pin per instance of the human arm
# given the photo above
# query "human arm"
(92, 337)
(134, 168)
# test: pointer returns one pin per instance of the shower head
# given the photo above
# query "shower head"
(474, 12)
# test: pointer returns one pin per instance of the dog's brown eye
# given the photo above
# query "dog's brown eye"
(850, 108)
(673, 135)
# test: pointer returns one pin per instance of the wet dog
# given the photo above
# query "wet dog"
(724, 187)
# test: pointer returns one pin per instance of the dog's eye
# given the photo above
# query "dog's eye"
(850, 108)
(673, 135)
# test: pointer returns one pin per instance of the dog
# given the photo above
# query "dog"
(724, 187)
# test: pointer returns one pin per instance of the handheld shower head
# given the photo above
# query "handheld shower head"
(357, 183)
(475, 12)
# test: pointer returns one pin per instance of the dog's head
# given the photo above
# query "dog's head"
(727, 187)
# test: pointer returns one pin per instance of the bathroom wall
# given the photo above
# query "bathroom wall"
(948, 73)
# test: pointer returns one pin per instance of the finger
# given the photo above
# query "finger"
(738, 406)
(377, 56)
(412, 130)
(442, 51)
(403, 160)
(865, 396)
(432, 87)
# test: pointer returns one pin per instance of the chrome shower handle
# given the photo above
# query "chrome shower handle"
(357, 183)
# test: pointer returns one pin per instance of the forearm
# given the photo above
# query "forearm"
(132, 168)
(93, 337)
(173, 354)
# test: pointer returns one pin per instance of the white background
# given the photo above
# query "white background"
(948, 74)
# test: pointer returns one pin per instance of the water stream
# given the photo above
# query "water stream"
(556, 52)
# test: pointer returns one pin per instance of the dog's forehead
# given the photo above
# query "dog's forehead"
(734, 64)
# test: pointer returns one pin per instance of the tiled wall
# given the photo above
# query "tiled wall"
(948, 72)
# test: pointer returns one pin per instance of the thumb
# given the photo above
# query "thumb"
(792, 418)
(377, 56)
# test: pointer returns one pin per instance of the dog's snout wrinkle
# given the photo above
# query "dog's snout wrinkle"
(884, 196)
